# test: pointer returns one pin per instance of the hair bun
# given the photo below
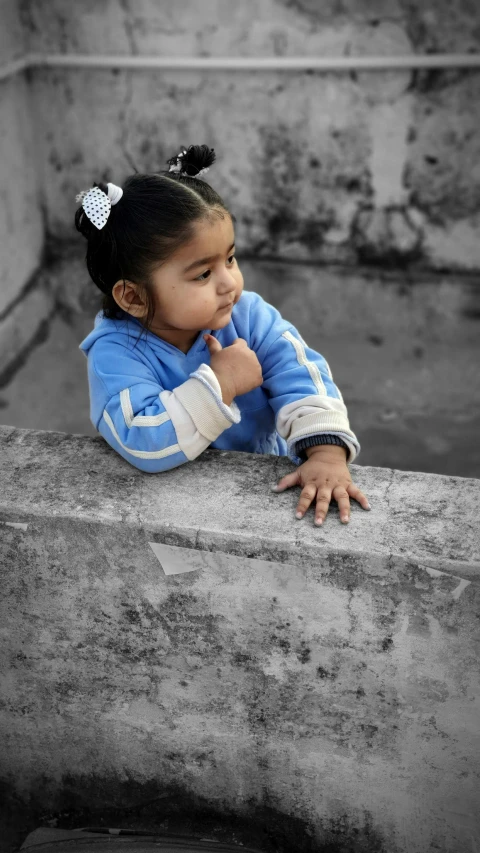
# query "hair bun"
(193, 160)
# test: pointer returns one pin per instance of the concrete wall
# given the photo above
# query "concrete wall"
(352, 167)
(184, 634)
(21, 228)
(22, 307)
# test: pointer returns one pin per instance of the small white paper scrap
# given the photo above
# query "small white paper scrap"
(456, 593)
(459, 589)
(175, 560)
(18, 524)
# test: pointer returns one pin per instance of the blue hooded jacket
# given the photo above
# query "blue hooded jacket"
(159, 407)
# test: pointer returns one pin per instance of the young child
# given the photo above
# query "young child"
(219, 367)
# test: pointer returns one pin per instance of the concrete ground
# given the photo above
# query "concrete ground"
(412, 404)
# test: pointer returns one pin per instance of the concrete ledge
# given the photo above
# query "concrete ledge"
(222, 502)
(185, 631)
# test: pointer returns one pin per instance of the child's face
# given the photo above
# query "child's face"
(187, 301)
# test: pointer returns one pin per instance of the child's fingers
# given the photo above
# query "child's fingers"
(324, 497)
(342, 498)
(286, 482)
(358, 495)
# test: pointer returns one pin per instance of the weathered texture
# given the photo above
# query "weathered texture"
(338, 167)
(13, 35)
(21, 222)
(329, 674)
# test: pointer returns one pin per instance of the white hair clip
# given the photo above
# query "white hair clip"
(97, 205)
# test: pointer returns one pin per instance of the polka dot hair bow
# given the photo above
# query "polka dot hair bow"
(97, 205)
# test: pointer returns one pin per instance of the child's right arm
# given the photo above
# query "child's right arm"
(152, 428)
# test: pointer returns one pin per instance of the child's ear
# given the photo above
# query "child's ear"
(128, 298)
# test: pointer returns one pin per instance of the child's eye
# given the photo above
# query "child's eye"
(200, 277)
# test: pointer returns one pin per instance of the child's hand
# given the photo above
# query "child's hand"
(237, 364)
(324, 475)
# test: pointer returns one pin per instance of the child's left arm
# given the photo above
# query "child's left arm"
(307, 405)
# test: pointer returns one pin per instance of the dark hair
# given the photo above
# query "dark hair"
(154, 218)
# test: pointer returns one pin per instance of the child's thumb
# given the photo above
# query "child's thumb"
(212, 343)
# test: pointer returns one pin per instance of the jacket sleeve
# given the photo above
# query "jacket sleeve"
(152, 428)
(301, 390)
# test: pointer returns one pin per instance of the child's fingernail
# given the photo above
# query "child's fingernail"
(274, 487)
(367, 506)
